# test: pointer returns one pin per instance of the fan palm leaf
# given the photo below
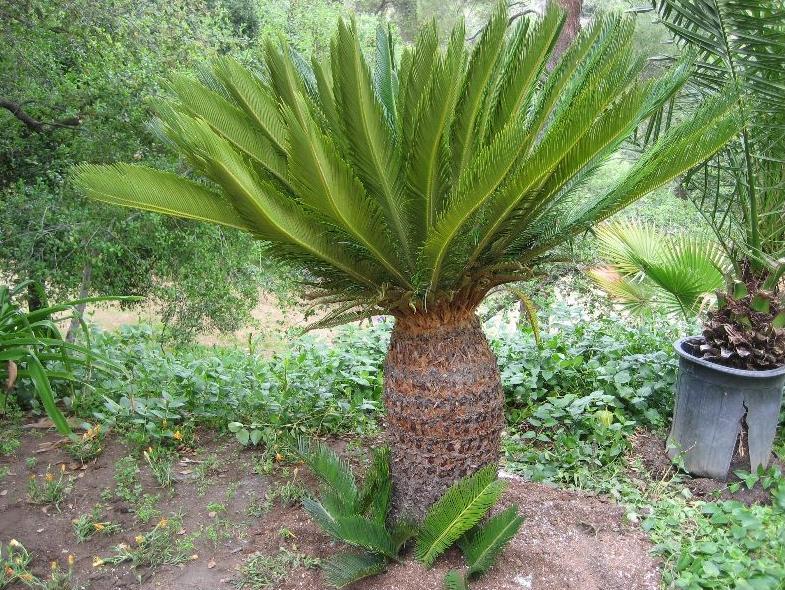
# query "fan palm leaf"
(646, 267)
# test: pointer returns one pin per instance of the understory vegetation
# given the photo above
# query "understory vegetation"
(574, 405)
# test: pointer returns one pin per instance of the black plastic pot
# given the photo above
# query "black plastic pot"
(713, 403)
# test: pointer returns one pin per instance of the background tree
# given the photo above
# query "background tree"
(77, 80)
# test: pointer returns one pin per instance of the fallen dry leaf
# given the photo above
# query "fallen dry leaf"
(211, 564)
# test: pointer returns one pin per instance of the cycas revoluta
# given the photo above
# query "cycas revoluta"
(415, 186)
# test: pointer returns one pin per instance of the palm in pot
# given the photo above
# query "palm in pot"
(731, 376)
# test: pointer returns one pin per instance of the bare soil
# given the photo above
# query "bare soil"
(649, 447)
(569, 540)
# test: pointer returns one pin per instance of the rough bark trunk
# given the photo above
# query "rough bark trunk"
(572, 25)
(444, 403)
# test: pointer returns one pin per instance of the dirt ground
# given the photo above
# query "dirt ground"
(569, 541)
(650, 449)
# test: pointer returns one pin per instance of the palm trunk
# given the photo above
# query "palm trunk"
(445, 406)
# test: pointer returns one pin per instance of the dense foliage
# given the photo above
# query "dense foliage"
(428, 180)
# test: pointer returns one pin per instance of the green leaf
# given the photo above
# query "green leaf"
(332, 470)
(243, 436)
(482, 545)
(136, 186)
(43, 388)
(344, 569)
(458, 510)
(454, 580)
(367, 534)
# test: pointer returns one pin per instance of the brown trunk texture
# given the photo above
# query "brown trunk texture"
(444, 403)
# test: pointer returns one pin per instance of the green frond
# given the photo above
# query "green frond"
(346, 568)
(647, 267)
(684, 146)
(527, 56)
(454, 580)
(457, 511)
(229, 122)
(367, 534)
(417, 65)
(375, 492)
(322, 516)
(476, 184)
(384, 78)
(483, 544)
(372, 143)
(326, 183)
(627, 291)
(333, 471)
(427, 167)
(475, 86)
(254, 98)
(130, 185)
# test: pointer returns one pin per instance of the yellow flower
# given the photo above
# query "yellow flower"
(71, 560)
(54, 565)
(9, 570)
(177, 435)
(139, 539)
(49, 476)
(278, 457)
(97, 562)
(99, 526)
(163, 523)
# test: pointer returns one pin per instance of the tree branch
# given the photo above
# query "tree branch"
(511, 20)
(33, 124)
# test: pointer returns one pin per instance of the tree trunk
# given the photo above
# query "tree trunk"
(444, 403)
(84, 291)
(572, 25)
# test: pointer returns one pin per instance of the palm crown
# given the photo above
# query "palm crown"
(421, 182)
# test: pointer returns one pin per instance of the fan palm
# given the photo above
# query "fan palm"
(740, 191)
(414, 186)
(646, 268)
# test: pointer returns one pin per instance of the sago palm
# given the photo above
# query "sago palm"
(413, 186)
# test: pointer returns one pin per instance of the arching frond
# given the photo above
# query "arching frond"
(410, 182)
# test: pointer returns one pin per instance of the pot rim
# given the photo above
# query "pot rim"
(779, 371)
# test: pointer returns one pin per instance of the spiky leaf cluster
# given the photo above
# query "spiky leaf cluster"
(456, 512)
(740, 50)
(644, 267)
(746, 331)
(427, 177)
(356, 515)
